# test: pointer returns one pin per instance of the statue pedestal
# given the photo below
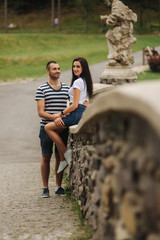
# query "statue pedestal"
(118, 75)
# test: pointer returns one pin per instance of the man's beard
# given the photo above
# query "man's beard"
(53, 77)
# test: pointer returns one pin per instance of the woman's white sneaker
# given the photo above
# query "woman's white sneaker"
(62, 166)
(68, 156)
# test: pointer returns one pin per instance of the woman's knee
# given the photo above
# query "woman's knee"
(48, 127)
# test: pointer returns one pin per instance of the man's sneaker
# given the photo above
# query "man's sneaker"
(62, 165)
(68, 156)
(45, 193)
(60, 191)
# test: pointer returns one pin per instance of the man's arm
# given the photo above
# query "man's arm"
(41, 110)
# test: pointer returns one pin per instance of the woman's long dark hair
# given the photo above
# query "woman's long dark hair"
(85, 75)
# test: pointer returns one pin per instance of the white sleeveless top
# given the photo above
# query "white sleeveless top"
(81, 85)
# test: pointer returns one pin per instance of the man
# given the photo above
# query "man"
(51, 98)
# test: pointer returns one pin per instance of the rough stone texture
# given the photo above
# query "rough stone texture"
(115, 172)
(120, 38)
(118, 75)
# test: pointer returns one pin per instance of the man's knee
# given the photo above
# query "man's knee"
(46, 159)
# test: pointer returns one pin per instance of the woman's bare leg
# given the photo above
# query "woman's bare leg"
(59, 176)
(51, 129)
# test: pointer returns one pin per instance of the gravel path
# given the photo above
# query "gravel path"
(24, 214)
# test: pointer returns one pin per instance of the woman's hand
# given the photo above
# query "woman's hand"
(86, 103)
(54, 116)
(58, 121)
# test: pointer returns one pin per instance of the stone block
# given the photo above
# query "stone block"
(131, 210)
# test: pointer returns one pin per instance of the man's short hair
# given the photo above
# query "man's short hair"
(48, 64)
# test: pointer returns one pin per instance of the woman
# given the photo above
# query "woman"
(81, 88)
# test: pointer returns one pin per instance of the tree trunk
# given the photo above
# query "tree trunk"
(141, 16)
(5, 16)
(86, 21)
(159, 15)
(52, 12)
(59, 14)
(148, 16)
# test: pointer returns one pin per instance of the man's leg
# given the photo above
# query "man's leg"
(47, 148)
(45, 170)
(59, 176)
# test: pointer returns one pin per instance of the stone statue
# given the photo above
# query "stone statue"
(120, 38)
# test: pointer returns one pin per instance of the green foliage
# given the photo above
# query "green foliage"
(148, 13)
(86, 8)
(22, 6)
(76, 16)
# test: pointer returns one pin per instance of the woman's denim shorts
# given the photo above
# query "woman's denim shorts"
(74, 117)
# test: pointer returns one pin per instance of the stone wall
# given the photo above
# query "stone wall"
(115, 171)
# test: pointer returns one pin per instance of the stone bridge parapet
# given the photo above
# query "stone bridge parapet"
(115, 170)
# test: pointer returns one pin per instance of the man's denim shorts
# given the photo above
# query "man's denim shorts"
(47, 143)
(74, 117)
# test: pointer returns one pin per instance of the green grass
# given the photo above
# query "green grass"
(148, 75)
(24, 55)
(146, 40)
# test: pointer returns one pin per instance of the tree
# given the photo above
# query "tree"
(59, 14)
(58, 17)
(6, 16)
(159, 14)
(86, 7)
(52, 11)
(148, 16)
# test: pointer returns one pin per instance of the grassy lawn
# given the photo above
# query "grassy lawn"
(24, 55)
(148, 75)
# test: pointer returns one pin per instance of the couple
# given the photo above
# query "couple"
(56, 117)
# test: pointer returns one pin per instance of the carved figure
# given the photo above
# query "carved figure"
(120, 38)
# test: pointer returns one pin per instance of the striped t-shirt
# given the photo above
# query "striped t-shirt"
(55, 100)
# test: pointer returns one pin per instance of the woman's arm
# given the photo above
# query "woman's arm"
(76, 96)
